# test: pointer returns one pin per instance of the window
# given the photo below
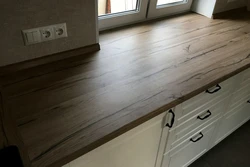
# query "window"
(116, 6)
(113, 13)
(159, 8)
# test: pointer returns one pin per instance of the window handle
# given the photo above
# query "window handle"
(172, 120)
(199, 138)
(206, 116)
(217, 88)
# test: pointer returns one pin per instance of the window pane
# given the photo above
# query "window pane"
(106, 7)
(164, 2)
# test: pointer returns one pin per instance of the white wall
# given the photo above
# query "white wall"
(204, 7)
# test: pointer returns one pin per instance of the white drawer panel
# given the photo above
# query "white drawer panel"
(239, 97)
(233, 120)
(191, 126)
(184, 114)
(188, 151)
(246, 76)
(189, 108)
(199, 120)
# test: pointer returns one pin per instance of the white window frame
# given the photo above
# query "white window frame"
(155, 11)
(123, 18)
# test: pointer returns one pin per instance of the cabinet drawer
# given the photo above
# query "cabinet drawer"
(233, 120)
(196, 104)
(198, 121)
(192, 112)
(190, 149)
(245, 77)
(240, 96)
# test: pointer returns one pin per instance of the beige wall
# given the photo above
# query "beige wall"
(18, 15)
(222, 5)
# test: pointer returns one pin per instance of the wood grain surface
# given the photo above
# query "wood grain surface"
(5, 70)
(70, 107)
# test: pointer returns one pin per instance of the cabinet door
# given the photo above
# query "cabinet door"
(232, 121)
(191, 149)
(136, 148)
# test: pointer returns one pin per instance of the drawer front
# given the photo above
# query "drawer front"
(189, 108)
(184, 114)
(197, 122)
(245, 77)
(191, 149)
(178, 134)
(233, 120)
(240, 96)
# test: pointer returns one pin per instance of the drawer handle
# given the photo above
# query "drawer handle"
(199, 138)
(218, 87)
(248, 101)
(206, 116)
(172, 120)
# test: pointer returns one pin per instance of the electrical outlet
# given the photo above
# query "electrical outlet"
(47, 33)
(42, 34)
(60, 30)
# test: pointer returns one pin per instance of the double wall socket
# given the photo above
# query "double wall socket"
(42, 34)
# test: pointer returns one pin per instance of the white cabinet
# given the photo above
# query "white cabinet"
(232, 121)
(136, 148)
(238, 111)
(208, 117)
(190, 149)
(181, 135)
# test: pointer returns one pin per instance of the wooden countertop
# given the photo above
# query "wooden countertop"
(65, 109)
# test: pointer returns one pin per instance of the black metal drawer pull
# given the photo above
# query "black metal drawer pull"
(206, 116)
(218, 87)
(172, 120)
(248, 101)
(199, 138)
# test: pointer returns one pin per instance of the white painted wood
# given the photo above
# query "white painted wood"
(167, 10)
(238, 111)
(201, 102)
(204, 7)
(190, 127)
(136, 148)
(163, 140)
(245, 78)
(188, 151)
(120, 19)
(232, 121)
(240, 96)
